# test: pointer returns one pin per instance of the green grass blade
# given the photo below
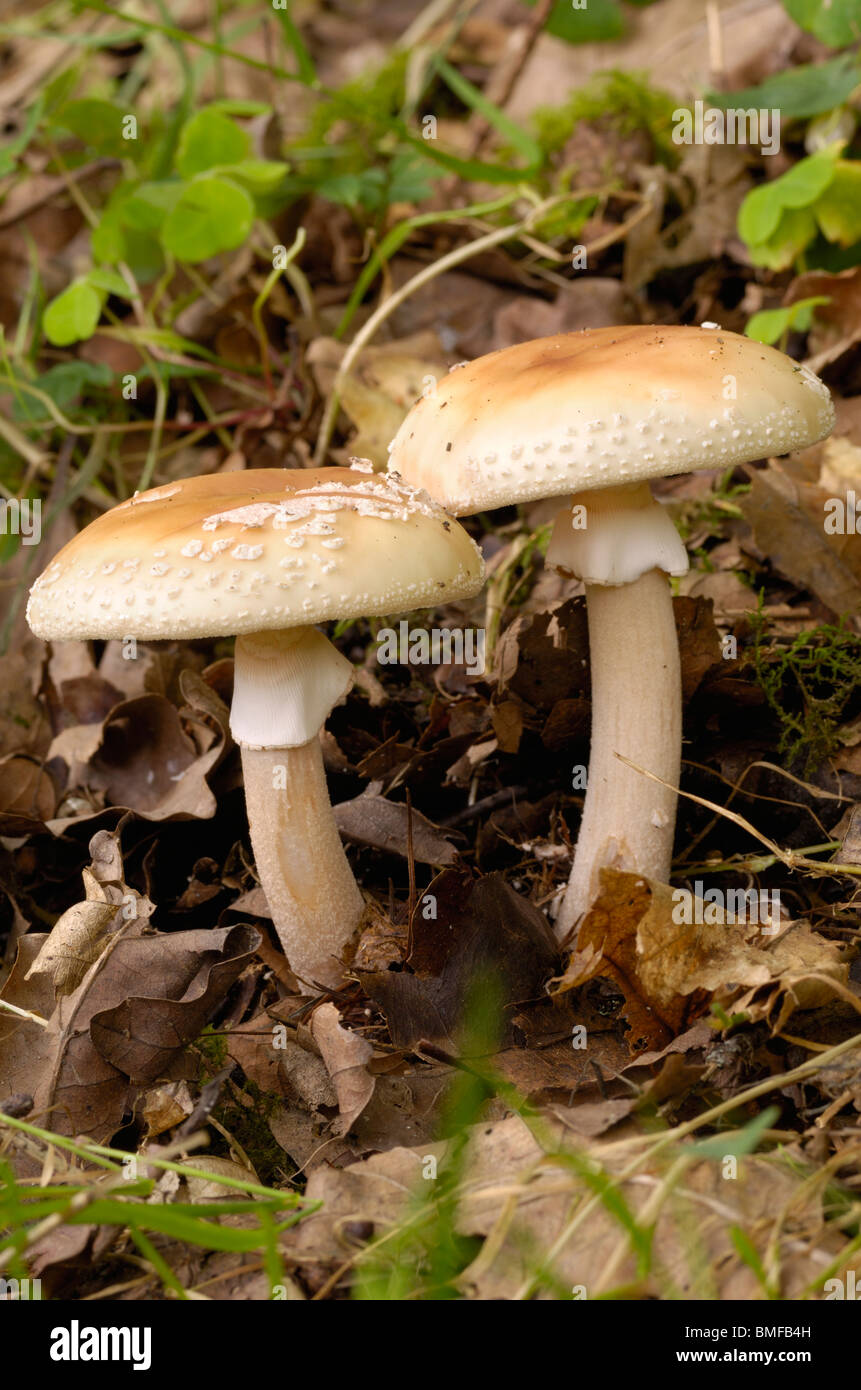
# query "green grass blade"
(304, 62)
(521, 140)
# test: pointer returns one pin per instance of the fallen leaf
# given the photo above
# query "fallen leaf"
(26, 791)
(147, 761)
(480, 927)
(516, 1199)
(668, 964)
(795, 546)
(836, 326)
(346, 1056)
(77, 939)
(381, 387)
(381, 824)
(850, 849)
(147, 997)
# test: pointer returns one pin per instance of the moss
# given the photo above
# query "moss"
(354, 119)
(213, 1052)
(248, 1123)
(243, 1112)
(809, 685)
(627, 100)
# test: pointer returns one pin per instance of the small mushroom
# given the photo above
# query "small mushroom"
(263, 555)
(592, 416)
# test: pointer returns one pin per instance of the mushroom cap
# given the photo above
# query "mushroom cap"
(244, 552)
(605, 406)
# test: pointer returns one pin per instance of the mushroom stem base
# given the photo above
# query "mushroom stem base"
(628, 819)
(315, 902)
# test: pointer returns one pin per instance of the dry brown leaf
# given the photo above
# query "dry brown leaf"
(795, 545)
(77, 939)
(382, 824)
(667, 968)
(382, 386)
(850, 850)
(836, 326)
(26, 791)
(164, 1107)
(151, 760)
(146, 997)
(519, 1202)
(475, 928)
(346, 1056)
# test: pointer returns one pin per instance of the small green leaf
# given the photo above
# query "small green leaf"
(260, 175)
(342, 188)
(769, 325)
(410, 180)
(838, 211)
(799, 92)
(806, 181)
(115, 240)
(73, 315)
(212, 215)
(107, 241)
(589, 22)
(149, 204)
(108, 281)
(209, 139)
(795, 231)
(759, 214)
(65, 383)
(836, 23)
(98, 124)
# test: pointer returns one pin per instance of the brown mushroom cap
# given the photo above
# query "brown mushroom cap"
(605, 406)
(235, 553)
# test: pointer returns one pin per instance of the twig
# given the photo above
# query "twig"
(24, 1013)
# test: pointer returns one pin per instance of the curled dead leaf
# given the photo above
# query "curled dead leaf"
(77, 939)
(346, 1056)
(670, 954)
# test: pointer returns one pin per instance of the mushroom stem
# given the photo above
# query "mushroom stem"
(286, 683)
(636, 711)
(313, 897)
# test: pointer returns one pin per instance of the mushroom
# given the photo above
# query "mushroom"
(263, 555)
(591, 416)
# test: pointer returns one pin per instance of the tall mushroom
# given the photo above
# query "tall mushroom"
(591, 416)
(263, 555)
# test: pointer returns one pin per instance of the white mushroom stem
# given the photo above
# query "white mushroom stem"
(285, 685)
(628, 818)
(313, 897)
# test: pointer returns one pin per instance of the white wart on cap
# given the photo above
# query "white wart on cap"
(247, 552)
(576, 411)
